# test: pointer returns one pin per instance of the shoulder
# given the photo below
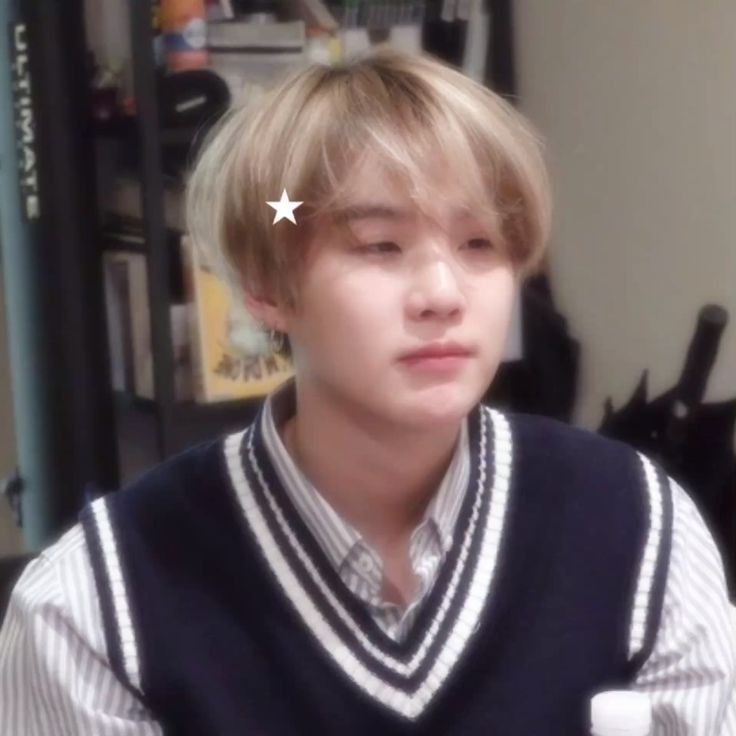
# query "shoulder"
(189, 466)
(540, 432)
(571, 470)
(181, 480)
(549, 451)
(64, 558)
(183, 499)
(58, 586)
(695, 553)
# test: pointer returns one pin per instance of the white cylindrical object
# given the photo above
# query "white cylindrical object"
(620, 713)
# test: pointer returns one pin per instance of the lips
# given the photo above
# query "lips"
(437, 350)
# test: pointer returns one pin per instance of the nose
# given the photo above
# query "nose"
(435, 289)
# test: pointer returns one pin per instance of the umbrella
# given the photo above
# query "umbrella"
(692, 440)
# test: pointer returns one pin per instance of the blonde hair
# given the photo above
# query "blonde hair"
(308, 134)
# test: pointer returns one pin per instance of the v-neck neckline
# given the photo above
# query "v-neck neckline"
(403, 675)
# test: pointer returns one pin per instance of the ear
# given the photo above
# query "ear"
(265, 310)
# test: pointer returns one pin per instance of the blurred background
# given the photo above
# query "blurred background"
(117, 348)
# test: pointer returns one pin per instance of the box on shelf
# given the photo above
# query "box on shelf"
(129, 325)
(117, 313)
(250, 56)
(124, 198)
(129, 329)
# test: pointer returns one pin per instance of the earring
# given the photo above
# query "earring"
(276, 339)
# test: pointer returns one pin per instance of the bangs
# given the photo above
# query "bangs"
(439, 150)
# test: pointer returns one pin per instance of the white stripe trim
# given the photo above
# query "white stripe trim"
(468, 618)
(642, 599)
(121, 607)
(398, 666)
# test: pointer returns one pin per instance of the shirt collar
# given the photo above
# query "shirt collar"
(335, 535)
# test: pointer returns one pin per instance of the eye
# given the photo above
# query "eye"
(382, 247)
(480, 244)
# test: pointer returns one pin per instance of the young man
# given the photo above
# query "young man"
(378, 553)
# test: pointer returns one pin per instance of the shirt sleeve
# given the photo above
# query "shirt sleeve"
(690, 675)
(55, 676)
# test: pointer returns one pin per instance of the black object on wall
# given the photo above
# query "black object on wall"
(500, 67)
(64, 412)
(692, 439)
(545, 380)
(446, 40)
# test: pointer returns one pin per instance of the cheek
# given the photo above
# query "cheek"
(496, 302)
(504, 298)
(348, 309)
(362, 312)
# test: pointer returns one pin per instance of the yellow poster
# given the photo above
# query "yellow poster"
(231, 359)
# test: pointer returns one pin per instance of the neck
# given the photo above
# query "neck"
(380, 478)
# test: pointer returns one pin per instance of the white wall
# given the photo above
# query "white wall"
(637, 103)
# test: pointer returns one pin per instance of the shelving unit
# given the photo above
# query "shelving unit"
(177, 423)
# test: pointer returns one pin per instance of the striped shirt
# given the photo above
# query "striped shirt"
(358, 565)
(55, 675)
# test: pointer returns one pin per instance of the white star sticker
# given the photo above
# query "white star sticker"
(284, 208)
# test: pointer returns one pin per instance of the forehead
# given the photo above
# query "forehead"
(376, 197)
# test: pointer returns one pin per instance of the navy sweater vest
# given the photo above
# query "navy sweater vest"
(224, 616)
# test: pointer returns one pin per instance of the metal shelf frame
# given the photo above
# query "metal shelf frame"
(154, 226)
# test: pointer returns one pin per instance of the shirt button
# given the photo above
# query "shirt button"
(365, 564)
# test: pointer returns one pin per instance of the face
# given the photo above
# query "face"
(408, 282)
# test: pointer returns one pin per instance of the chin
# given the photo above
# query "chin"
(441, 404)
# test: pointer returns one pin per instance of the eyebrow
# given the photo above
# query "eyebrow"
(382, 211)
